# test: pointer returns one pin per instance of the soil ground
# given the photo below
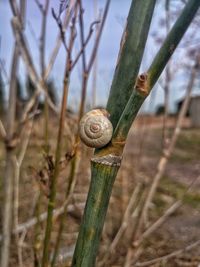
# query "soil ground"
(142, 153)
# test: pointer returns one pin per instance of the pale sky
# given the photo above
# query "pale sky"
(107, 54)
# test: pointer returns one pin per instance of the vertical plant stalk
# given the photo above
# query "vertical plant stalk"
(18, 163)
(139, 237)
(26, 56)
(94, 80)
(130, 55)
(37, 229)
(172, 40)
(52, 197)
(146, 81)
(167, 153)
(44, 11)
(167, 81)
(134, 37)
(84, 70)
(69, 191)
(136, 213)
(125, 222)
(104, 167)
(9, 168)
(59, 39)
(103, 176)
(88, 66)
(85, 77)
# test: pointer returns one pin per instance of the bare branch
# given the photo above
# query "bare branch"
(167, 153)
(169, 256)
(85, 42)
(42, 217)
(59, 39)
(40, 6)
(60, 26)
(95, 48)
(20, 38)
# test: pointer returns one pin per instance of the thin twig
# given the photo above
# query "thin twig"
(84, 44)
(51, 204)
(125, 223)
(168, 256)
(42, 217)
(161, 168)
(18, 163)
(42, 66)
(21, 40)
(68, 196)
(151, 229)
(167, 153)
(60, 26)
(97, 40)
(2, 67)
(2, 130)
(40, 6)
(9, 168)
(167, 84)
(59, 39)
(94, 80)
(88, 66)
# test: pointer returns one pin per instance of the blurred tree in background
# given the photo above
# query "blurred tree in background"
(2, 95)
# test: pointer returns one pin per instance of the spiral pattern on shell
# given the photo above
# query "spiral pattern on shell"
(95, 128)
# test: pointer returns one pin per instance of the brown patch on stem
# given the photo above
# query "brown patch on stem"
(142, 84)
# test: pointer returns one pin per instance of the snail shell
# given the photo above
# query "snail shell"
(95, 128)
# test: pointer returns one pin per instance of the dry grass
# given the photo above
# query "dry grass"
(140, 159)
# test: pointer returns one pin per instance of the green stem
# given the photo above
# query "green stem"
(172, 40)
(70, 187)
(46, 122)
(134, 104)
(130, 56)
(37, 231)
(103, 177)
(54, 178)
(123, 104)
(136, 100)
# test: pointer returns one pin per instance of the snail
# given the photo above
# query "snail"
(95, 128)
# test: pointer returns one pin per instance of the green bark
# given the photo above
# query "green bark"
(123, 104)
(130, 56)
(103, 175)
(102, 180)
(172, 40)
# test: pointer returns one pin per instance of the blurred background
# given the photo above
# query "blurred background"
(35, 59)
